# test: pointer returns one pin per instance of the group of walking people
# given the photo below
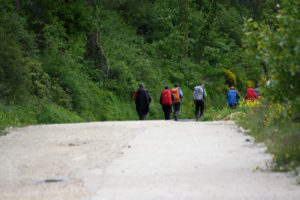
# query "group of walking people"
(233, 96)
(170, 99)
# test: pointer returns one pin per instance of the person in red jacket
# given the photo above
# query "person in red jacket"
(166, 100)
(251, 94)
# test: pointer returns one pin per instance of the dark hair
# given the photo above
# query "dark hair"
(141, 85)
(201, 83)
(176, 85)
(166, 87)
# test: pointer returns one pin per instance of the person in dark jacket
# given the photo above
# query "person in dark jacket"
(166, 100)
(142, 101)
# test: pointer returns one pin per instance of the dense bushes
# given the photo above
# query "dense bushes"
(275, 120)
(44, 54)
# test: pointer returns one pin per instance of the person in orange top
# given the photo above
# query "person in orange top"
(178, 95)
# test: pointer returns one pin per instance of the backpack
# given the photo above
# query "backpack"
(231, 97)
(175, 92)
(166, 98)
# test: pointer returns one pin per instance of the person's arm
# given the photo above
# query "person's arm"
(135, 96)
(172, 96)
(148, 96)
(194, 93)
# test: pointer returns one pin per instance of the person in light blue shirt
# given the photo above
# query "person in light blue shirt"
(198, 97)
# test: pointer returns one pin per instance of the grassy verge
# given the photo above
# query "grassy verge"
(34, 113)
(277, 125)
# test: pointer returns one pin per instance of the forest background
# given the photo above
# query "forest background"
(74, 61)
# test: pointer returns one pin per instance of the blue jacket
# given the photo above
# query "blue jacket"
(231, 97)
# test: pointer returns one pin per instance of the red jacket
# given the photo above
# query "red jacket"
(251, 94)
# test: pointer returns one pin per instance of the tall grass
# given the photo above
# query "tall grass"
(35, 113)
(278, 126)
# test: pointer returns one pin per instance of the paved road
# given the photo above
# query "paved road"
(150, 160)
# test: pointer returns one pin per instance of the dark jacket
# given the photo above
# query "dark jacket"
(142, 101)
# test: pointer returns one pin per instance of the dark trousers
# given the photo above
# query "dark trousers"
(199, 106)
(142, 116)
(176, 107)
(167, 111)
(233, 106)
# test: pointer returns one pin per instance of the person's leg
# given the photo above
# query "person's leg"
(140, 116)
(168, 112)
(165, 111)
(177, 110)
(201, 108)
(197, 106)
(175, 107)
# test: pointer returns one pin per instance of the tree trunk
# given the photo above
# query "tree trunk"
(200, 5)
(184, 29)
(17, 4)
(205, 30)
(256, 10)
(94, 48)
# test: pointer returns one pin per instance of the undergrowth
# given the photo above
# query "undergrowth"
(277, 125)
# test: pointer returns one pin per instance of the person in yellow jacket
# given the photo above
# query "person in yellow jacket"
(178, 95)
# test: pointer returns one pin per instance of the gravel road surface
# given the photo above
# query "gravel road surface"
(138, 160)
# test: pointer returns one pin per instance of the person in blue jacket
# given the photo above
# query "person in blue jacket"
(232, 98)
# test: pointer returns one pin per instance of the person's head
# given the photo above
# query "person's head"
(166, 87)
(176, 85)
(202, 85)
(142, 85)
(257, 85)
(232, 88)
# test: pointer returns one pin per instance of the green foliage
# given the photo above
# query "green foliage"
(14, 76)
(141, 41)
(277, 125)
(278, 48)
(35, 112)
(275, 43)
(75, 16)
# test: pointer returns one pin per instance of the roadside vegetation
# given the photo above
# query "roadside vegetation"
(276, 118)
(78, 61)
